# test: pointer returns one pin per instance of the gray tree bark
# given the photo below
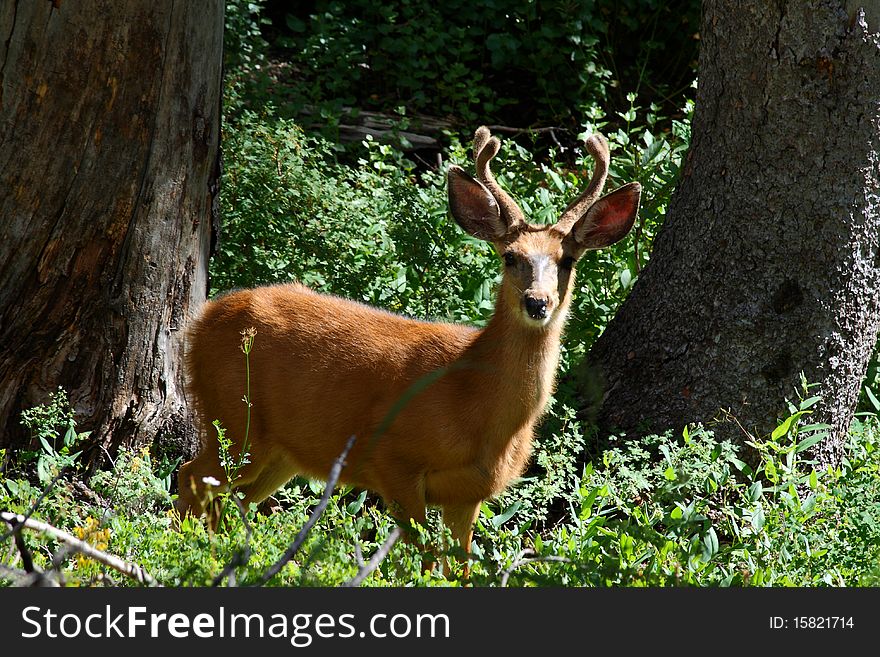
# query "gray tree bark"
(109, 133)
(767, 264)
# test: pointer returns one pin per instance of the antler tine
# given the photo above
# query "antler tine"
(485, 148)
(597, 146)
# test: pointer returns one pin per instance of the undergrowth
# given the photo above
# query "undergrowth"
(698, 516)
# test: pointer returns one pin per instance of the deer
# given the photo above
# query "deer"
(324, 368)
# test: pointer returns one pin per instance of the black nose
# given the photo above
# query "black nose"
(536, 308)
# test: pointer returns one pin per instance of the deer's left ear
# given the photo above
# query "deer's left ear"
(473, 207)
(609, 219)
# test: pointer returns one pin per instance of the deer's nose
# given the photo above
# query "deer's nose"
(536, 307)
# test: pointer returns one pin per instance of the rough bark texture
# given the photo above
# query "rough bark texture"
(767, 264)
(109, 130)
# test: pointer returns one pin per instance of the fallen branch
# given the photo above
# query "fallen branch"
(132, 570)
(364, 570)
(335, 471)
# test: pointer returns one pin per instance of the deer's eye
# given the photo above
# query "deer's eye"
(509, 259)
(567, 262)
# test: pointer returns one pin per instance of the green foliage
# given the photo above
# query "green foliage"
(134, 485)
(371, 233)
(472, 60)
(450, 57)
(665, 511)
(244, 47)
(701, 516)
(46, 423)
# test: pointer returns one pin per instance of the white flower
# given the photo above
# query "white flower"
(210, 481)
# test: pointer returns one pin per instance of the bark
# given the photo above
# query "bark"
(109, 131)
(767, 264)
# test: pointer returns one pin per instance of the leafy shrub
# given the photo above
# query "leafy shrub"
(473, 60)
(369, 233)
(701, 516)
(133, 485)
(457, 58)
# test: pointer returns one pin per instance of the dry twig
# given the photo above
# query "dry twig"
(523, 559)
(335, 471)
(366, 568)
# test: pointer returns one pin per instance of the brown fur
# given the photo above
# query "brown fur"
(325, 368)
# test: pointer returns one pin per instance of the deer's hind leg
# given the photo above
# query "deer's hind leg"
(257, 480)
(192, 481)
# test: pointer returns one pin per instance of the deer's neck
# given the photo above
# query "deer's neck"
(517, 365)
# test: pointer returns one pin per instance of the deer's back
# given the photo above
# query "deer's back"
(321, 369)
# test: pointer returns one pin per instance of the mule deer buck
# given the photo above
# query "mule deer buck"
(325, 368)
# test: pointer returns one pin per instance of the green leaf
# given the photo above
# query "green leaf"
(872, 399)
(771, 472)
(758, 518)
(587, 504)
(557, 181)
(506, 515)
(742, 466)
(809, 504)
(358, 504)
(785, 427)
(70, 434)
(666, 454)
(756, 490)
(812, 401)
(710, 544)
(44, 471)
(806, 443)
(816, 426)
(47, 447)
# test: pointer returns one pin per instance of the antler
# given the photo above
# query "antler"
(597, 146)
(485, 148)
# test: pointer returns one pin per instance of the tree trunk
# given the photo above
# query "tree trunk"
(109, 130)
(767, 264)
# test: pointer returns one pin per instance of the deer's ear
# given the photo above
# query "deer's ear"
(609, 219)
(473, 206)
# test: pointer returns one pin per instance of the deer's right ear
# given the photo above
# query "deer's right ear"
(473, 207)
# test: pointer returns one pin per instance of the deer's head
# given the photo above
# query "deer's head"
(539, 259)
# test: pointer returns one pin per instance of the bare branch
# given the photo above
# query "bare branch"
(131, 570)
(524, 559)
(241, 557)
(365, 569)
(23, 579)
(335, 471)
(510, 130)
